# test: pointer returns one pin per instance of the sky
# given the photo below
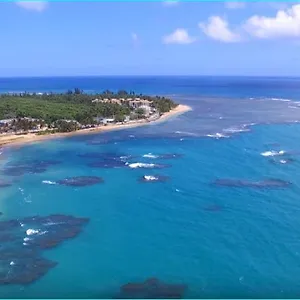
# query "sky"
(149, 38)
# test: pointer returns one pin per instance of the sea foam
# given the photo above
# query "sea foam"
(31, 231)
(273, 153)
(141, 165)
(48, 182)
(217, 135)
(150, 155)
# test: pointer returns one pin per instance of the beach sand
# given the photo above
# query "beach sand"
(13, 139)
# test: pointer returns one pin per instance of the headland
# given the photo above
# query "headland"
(28, 118)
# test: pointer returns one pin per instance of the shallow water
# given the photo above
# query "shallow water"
(221, 241)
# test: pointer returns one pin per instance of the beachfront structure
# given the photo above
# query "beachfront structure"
(137, 102)
(6, 122)
(104, 121)
(146, 109)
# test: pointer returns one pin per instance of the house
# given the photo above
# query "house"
(6, 122)
(137, 102)
(108, 121)
(104, 121)
(146, 109)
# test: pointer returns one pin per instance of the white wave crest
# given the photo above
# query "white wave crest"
(150, 178)
(186, 133)
(12, 263)
(140, 165)
(236, 129)
(217, 135)
(273, 153)
(281, 99)
(26, 239)
(31, 231)
(48, 182)
(150, 155)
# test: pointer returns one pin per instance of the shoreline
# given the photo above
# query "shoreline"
(13, 139)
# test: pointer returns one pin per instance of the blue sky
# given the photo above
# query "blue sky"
(149, 38)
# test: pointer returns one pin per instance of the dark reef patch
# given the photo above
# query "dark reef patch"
(23, 241)
(107, 164)
(29, 167)
(213, 208)
(152, 288)
(81, 181)
(267, 183)
(104, 155)
(26, 271)
(4, 184)
(110, 160)
(19, 171)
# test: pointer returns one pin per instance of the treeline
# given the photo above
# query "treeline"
(74, 105)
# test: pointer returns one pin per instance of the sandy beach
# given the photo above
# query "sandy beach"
(13, 139)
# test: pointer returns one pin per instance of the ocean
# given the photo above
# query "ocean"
(238, 237)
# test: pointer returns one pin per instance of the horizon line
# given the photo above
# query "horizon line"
(149, 76)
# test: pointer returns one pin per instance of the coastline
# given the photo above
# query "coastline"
(13, 139)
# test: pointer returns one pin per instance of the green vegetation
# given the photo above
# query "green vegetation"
(77, 106)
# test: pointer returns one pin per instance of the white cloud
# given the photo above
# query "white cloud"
(170, 3)
(33, 5)
(134, 37)
(286, 24)
(218, 29)
(179, 36)
(235, 5)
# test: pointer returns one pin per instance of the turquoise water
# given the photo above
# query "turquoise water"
(220, 241)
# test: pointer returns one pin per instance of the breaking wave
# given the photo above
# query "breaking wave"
(217, 135)
(150, 178)
(236, 129)
(150, 155)
(273, 153)
(141, 165)
(48, 182)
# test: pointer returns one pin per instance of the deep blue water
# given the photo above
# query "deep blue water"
(220, 241)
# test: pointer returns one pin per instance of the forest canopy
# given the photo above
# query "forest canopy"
(77, 105)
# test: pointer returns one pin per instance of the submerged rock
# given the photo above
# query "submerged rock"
(107, 164)
(26, 270)
(19, 171)
(81, 181)
(28, 167)
(267, 183)
(4, 184)
(152, 288)
(23, 241)
(103, 155)
(213, 207)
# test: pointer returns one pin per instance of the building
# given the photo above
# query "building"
(137, 102)
(104, 121)
(6, 122)
(146, 109)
